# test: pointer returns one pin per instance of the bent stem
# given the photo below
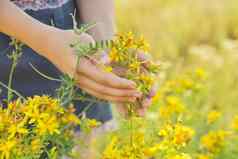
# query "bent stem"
(44, 75)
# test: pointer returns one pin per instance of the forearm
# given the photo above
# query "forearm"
(14, 22)
(100, 11)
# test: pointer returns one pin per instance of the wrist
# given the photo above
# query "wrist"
(102, 31)
(51, 42)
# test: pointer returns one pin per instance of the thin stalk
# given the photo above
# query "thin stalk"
(44, 75)
(9, 92)
(16, 54)
(13, 91)
(86, 109)
(130, 112)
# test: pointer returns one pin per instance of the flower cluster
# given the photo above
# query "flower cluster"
(37, 127)
(166, 135)
(125, 53)
(214, 140)
(169, 132)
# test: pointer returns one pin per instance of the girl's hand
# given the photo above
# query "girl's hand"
(146, 101)
(143, 107)
(90, 78)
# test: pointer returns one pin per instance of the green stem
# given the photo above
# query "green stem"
(85, 109)
(13, 91)
(130, 112)
(16, 54)
(9, 92)
(43, 75)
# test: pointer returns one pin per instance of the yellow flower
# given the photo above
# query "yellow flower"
(36, 145)
(92, 123)
(39, 107)
(166, 130)
(148, 80)
(173, 101)
(17, 128)
(174, 105)
(111, 152)
(214, 140)
(6, 148)
(13, 105)
(116, 56)
(156, 98)
(187, 83)
(201, 74)
(108, 69)
(129, 40)
(71, 119)
(203, 156)
(182, 135)
(113, 55)
(135, 66)
(151, 151)
(165, 112)
(5, 120)
(171, 84)
(213, 116)
(143, 45)
(26, 126)
(180, 156)
(235, 123)
(48, 125)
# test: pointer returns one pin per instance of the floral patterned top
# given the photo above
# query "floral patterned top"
(39, 4)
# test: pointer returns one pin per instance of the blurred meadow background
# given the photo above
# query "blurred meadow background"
(190, 34)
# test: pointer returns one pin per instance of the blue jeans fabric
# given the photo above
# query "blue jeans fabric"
(26, 80)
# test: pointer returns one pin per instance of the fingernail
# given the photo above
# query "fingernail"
(132, 85)
(152, 93)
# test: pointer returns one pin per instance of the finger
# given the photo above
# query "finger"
(98, 58)
(105, 58)
(146, 103)
(146, 60)
(97, 87)
(107, 97)
(120, 71)
(153, 91)
(143, 57)
(103, 77)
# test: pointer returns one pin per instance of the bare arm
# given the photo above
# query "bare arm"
(100, 11)
(54, 44)
(16, 23)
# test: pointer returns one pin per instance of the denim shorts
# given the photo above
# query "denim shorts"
(30, 83)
